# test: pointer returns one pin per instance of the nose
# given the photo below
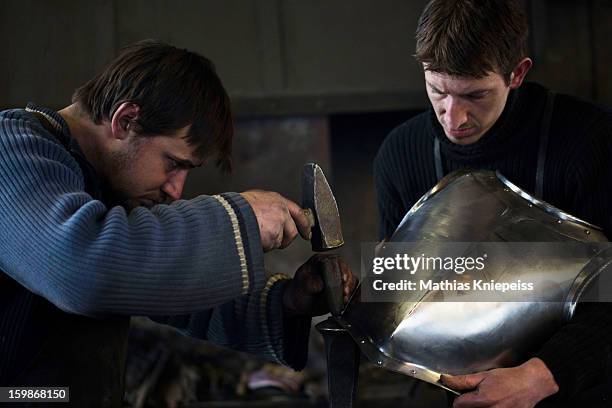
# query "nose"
(173, 186)
(455, 113)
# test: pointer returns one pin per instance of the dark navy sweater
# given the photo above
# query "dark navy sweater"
(577, 179)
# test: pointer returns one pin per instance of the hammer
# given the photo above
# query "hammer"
(319, 205)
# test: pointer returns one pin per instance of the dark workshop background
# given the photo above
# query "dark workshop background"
(313, 80)
(316, 80)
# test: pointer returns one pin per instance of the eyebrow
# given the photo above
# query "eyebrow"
(187, 164)
(471, 93)
(433, 88)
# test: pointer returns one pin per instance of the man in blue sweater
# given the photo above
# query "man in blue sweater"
(94, 231)
(483, 116)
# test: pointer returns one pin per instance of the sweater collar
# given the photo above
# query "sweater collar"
(55, 120)
(62, 133)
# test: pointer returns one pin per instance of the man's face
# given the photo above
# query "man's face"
(149, 170)
(466, 107)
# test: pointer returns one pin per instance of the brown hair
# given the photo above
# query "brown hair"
(472, 37)
(174, 88)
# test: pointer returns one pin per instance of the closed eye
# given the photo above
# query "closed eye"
(177, 164)
(173, 164)
(476, 95)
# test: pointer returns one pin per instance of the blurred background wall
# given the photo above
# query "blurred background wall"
(316, 80)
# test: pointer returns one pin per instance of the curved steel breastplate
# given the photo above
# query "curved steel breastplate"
(425, 338)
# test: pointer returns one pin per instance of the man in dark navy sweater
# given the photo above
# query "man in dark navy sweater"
(483, 117)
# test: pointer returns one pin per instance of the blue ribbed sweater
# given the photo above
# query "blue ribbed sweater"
(196, 264)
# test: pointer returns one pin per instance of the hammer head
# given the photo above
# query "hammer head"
(318, 197)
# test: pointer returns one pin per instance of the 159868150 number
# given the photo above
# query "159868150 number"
(33, 394)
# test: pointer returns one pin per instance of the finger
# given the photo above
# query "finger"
(473, 399)
(345, 270)
(347, 296)
(278, 242)
(462, 382)
(289, 233)
(267, 238)
(347, 284)
(301, 220)
(348, 278)
(276, 238)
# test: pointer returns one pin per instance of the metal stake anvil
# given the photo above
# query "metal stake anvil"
(343, 357)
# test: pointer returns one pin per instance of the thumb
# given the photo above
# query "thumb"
(301, 219)
(462, 382)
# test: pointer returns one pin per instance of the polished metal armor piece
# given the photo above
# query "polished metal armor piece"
(424, 338)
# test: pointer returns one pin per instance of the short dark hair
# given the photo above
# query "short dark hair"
(472, 37)
(174, 88)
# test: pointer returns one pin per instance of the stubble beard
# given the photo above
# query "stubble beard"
(116, 184)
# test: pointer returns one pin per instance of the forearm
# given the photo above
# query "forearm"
(189, 256)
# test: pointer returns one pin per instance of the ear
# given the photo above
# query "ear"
(519, 72)
(123, 120)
